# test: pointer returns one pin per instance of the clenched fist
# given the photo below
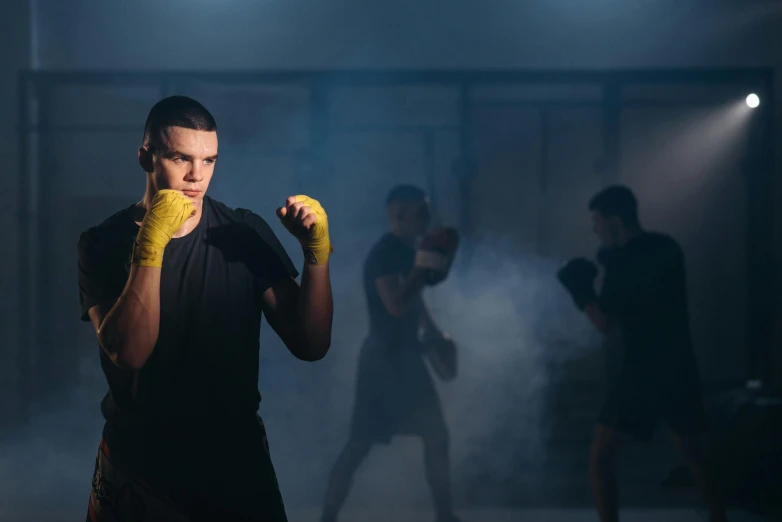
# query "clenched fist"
(167, 212)
(305, 218)
(578, 277)
(436, 252)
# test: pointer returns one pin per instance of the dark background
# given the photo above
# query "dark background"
(550, 102)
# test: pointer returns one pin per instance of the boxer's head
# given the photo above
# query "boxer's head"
(179, 150)
(408, 210)
(614, 215)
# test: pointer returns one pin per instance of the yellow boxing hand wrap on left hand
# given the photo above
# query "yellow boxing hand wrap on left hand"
(317, 245)
(167, 212)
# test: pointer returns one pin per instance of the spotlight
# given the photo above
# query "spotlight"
(753, 101)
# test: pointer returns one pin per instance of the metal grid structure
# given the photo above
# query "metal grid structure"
(36, 128)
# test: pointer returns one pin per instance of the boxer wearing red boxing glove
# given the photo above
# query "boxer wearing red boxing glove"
(435, 254)
(394, 393)
(644, 294)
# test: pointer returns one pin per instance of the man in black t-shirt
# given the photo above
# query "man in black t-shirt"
(394, 392)
(644, 296)
(175, 286)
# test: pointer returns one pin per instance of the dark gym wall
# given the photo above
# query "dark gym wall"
(15, 42)
(296, 34)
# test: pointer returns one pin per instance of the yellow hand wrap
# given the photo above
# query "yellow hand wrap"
(317, 245)
(167, 212)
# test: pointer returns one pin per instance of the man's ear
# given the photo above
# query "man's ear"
(145, 159)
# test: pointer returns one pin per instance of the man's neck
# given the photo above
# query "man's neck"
(630, 234)
(404, 238)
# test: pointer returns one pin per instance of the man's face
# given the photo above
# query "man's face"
(416, 217)
(606, 229)
(185, 162)
(411, 218)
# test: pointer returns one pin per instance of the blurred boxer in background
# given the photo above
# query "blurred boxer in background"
(394, 393)
(644, 295)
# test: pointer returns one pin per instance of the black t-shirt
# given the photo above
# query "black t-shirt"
(204, 367)
(390, 256)
(645, 292)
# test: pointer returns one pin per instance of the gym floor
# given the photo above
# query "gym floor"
(527, 515)
(521, 515)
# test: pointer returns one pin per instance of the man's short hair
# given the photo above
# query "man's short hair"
(176, 111)
(616, 200)
(402, 194)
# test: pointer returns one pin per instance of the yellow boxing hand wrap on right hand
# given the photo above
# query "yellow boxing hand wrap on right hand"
(317, 246)
(167, 212)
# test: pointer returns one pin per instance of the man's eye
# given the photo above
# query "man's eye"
(179, 159)
(209, 161)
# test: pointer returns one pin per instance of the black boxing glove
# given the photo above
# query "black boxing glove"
(578, 277)
(435, 254)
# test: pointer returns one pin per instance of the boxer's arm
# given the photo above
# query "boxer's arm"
(598, 318)
(397, 294)
(426, 323)
(128, 329)
(302, 315)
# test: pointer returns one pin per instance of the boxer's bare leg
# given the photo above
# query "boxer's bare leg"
(690, 450)
(602, 467)
(341, 478)
(438, 473)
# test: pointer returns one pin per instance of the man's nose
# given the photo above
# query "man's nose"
(195, 173)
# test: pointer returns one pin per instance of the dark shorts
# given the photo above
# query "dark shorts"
(636, 407)
(235, 483)
(118, 495)
(394, 395)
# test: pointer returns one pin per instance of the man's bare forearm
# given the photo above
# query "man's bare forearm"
(412, 286)
(597, 317)
(316, 310)
(129, 331)
(426, 322)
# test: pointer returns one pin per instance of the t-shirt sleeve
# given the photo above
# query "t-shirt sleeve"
(96, 286)
(270, 261)
(383, 260)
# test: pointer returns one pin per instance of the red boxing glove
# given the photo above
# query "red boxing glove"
(436, 252)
